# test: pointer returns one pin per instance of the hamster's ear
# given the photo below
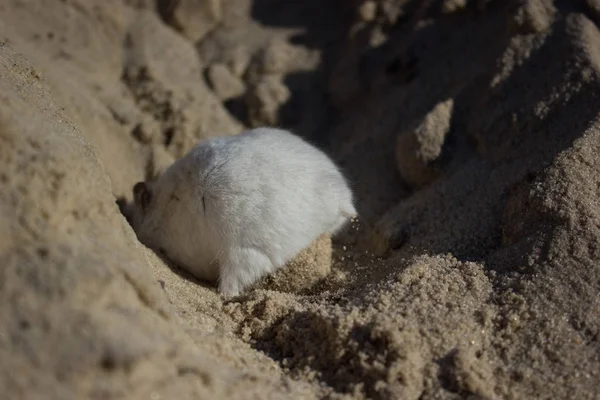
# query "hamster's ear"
(142, 195)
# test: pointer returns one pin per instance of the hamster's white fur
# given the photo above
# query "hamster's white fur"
(236, 208)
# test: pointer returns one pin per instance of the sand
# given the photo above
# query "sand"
(469, 131)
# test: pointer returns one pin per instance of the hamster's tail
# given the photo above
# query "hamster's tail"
(349, 212)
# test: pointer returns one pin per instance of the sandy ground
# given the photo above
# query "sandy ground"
(469, 130)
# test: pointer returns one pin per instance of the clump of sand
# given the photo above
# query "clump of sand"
(304, 271)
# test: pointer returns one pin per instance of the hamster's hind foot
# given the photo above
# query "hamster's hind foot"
(240, 268)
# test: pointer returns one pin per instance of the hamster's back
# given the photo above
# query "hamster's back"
(273, 158)
(276, 190)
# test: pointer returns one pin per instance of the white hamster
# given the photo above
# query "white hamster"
(236, 208)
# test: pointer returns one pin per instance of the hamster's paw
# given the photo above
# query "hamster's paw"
(240, 268)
